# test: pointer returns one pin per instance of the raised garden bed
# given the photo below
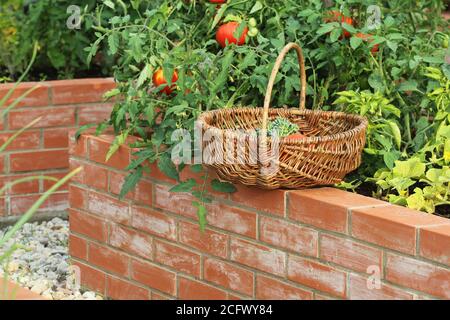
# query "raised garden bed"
(319, 243)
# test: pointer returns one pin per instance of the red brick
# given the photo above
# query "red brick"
(130, 241)
(77, 147)
(116, 180)
(56, 138)
(232, 219)
(142, 192)
(26, 140)
(13, 291)
(39, 160)
(108, 207)
(56, 202)
(194, 290)
(77, 247)
(2, 163)
(326, 208)
(156, 296)
(95, 176)
(87, 225)
(77, 197)
(75, 164)
(229, 276)
(91, 278)
(419, 275)
(359, 290)
(177, 258)
(257, 256)
(435, 243)
(3, 209)
(38, 97)
(317, 276)
(153, 276)
(156, 174)
(165, 200)
(257, 199)
(31, 186)
(154, 222)
(98, 149)
(288, 236)
(349, 254)
(92, 175)
(108, 259)
(47, 184)
(271, 289)
(122, 290)
(80, 91)
(51, 117)
(208, 241)
(392, 227)
(95, 113)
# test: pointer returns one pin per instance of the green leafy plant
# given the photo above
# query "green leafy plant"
(387, 85)
(61, 48)
(282, 127)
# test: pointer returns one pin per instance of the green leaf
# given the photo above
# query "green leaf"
(82, 129)
(109, 3)
(222, 186)
(144, 75)
(410, 85)
(411, 168)
(256, 7)
(327, 28)
(185, 186)
(113, 42)
(201, 214)
(355, 42)
(395, 130)
(167, 167)
(131, 181)
(196, 168)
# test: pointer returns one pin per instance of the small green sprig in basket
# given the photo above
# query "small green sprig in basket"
(282, 127)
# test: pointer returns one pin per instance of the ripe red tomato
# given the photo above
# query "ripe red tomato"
(217, 1)
(367, 37)
(159, 80)
(336, 16)
(226, 32)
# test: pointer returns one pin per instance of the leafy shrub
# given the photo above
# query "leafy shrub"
(61, 49)
(380, 69)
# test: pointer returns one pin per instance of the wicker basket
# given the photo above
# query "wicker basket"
(331, 149)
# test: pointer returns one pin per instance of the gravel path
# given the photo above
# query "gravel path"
(42, 262)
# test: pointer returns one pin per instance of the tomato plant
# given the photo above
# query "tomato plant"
(380, 75)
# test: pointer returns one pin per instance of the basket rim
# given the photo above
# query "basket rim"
(363, 123)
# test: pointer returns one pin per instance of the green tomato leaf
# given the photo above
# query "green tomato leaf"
(167, 167)
(131, 181)
(185, 186)
(222, 186)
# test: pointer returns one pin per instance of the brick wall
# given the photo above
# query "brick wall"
(311, 244)
(43, 150)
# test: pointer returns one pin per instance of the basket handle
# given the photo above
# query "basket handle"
(273, 76)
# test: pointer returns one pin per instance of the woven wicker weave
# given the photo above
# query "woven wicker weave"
(331, 149)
